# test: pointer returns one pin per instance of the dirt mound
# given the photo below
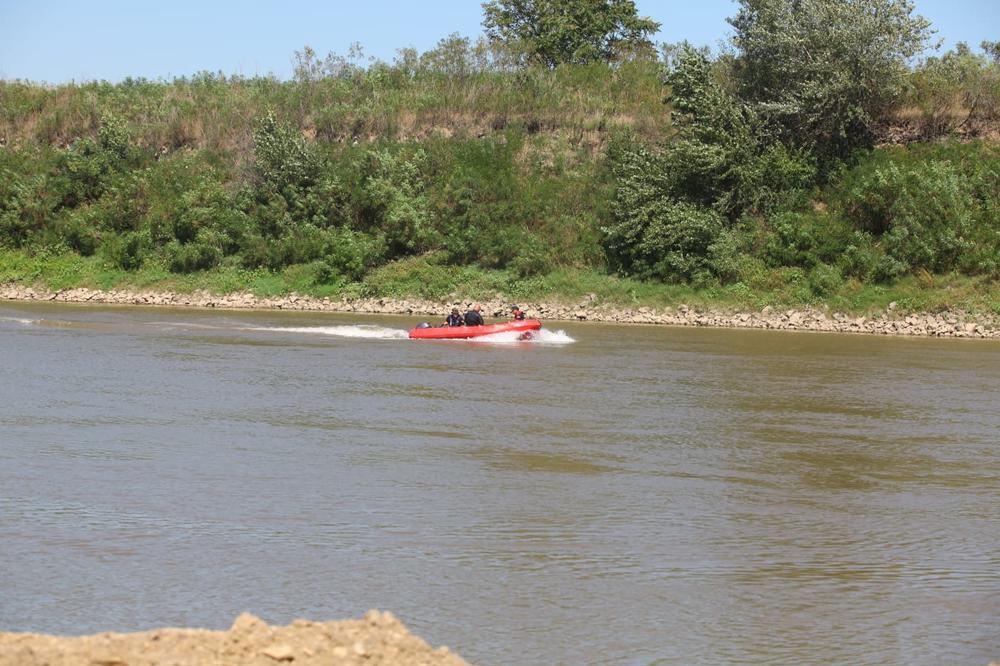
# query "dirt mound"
(378, 638)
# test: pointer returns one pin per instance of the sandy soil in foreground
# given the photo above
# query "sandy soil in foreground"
(889, 322)
(377, 639)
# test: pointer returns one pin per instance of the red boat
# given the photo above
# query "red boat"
(462, 332)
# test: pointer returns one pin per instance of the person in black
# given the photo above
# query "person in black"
(454, 319)
(473, 318)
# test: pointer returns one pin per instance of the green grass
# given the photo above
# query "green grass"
(422, 277)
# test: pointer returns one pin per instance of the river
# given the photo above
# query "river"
(601, 495)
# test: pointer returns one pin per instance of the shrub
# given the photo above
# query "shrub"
(282, 158)
(253, 251)
(113, 137)
(923, 211)
(24, 207)
(209, 207)
(126, 251)
(860, 258)
(825, 280)
(77, 231)
(805, 239)
(82, 173)
(124, 204)
(190, 257)
(673, 240)
(781, 179)
(725, 255)
(351, 253)
(395, 202)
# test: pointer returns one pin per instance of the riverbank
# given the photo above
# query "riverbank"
(378, 638)
(891, 321)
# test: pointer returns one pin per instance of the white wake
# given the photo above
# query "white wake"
(354, 331)
(372, 332)
(18, 320)
(541, 336)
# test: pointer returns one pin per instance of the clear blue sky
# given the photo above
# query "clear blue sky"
(61, 40)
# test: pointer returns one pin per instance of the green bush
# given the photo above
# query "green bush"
(190, 257)
(124, 204)
(253, 251)
(729, 253)
(805, 239)
(113, 137)
(861, 259)
(303, 244)
(781, 180)
(923, 211)
(672, 240)
(351, 253)
(209, 208)
(24, 207)
(394, 200)
(282, 158)
(126, 251)
(825, 280)
(77, 231)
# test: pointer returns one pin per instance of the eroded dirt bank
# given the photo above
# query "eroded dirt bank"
(888, 322)
(377, 639)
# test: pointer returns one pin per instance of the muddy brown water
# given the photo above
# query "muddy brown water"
(641, 495)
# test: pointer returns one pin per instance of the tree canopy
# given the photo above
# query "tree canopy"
(553, 32)
(823, 69)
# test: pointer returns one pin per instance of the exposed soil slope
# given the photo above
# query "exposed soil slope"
(377, 639)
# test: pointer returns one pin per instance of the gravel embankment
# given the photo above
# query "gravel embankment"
(888, 322)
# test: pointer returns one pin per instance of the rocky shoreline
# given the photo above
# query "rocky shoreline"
(889, 322)
(377, 639)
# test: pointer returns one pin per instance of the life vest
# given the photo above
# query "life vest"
(455, 320)
(518, 315)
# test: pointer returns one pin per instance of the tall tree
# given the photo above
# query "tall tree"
(824, 69)
(553, 32)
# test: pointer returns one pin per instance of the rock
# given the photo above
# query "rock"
(893, 305)
(767, 311)
(279, 652)
(248, 624)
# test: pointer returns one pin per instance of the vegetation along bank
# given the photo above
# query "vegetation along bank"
(802, 171)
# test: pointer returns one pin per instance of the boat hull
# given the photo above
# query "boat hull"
(464, 332)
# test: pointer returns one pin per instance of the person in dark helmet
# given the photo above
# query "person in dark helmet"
(473, 316)
(516, 313)
(454, 319)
